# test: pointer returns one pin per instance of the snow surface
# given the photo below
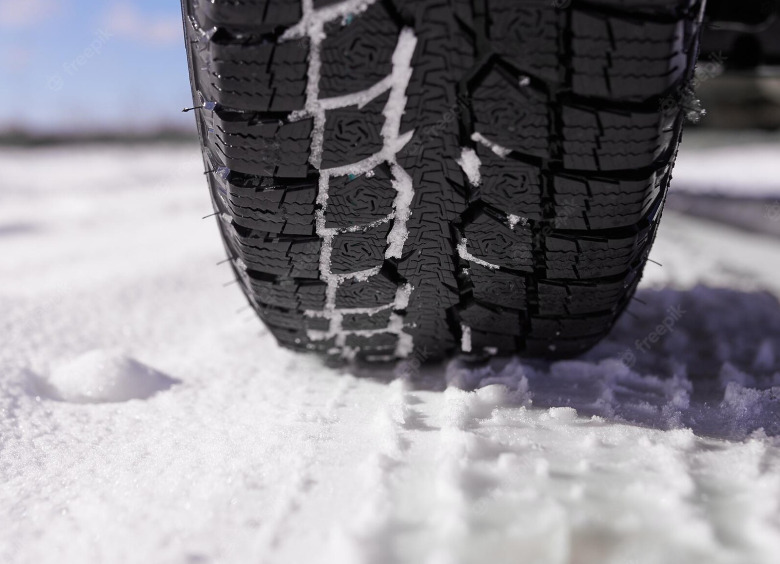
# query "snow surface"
(733, 163)
(142, 419)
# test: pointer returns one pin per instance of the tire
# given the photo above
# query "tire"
(419, 177)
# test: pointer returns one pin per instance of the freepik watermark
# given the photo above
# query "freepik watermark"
(666, 327)
(409, 368)
(72, 67)
(772, 210)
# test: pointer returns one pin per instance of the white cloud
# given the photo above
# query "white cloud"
(25, 13)
(126, 20)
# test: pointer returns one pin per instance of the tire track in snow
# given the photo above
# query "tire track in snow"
(317, 425)
(372, 535)
(478, 515)
(429, 485)
(481, 476)
(737, 486)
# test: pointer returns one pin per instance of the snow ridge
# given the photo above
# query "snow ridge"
(299, 478)
(470, 163)
(312, 26)
(513, 220)
(466, 255)
(495, 147)
(368, 536)
(465, 339)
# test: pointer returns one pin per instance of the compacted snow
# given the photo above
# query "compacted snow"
(145, 417)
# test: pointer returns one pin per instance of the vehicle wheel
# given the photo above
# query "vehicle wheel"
(398, 177)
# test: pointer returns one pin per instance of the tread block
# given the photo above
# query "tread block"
(511, 115)
(377, 343)
(569, 257)
(578, 298)
(261, 14)
(316, 323)
(614, 140)
(491, 240)
(510, 185)
(626, 58)
(288, 293)
(357, 51)
(277, 210)
(311, 295)
(282, 257)
(254, 77)
(502, 344)
(266, 148)
(378, 290)
(357, 201)
(359, 250)
(283, 318)
(650, 7)
(362, 321)
(483, 318)
(353, 134)
(592, 203)
(498, 288)
(272, 293)
(526, 34)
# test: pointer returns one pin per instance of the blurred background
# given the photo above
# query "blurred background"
(76, 68)
(81, 68)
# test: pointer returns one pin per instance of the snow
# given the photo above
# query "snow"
(143, 420)
(103, 376)
(470, 163)
(513, 220)
(743, 164)
(464, 254)
(465, 338)
(495, 147)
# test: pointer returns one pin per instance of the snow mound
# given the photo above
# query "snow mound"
(104, 376)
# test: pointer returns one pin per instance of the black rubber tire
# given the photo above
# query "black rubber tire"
(565, 117)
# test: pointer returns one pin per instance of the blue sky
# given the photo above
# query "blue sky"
(86, 65)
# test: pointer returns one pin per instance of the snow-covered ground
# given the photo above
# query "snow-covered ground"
(745, 163)
(142, 419)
